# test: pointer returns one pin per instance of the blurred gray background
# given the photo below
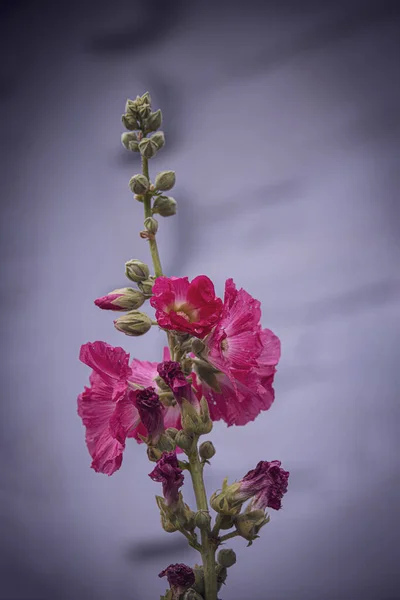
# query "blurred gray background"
(282, 124)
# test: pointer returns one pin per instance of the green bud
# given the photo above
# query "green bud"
(225, 521)
(191, 594)
(136, 270)
(158, 139)
(226, 557)
(167, 399)
(207, 373)
(134, 323)
(168, 525)
(129, 121)
(187, 366)
(130, 141)
(165, 443)
(131, 106)
(207, 450)
(198, 347)
(184, 440)
(221, 501)
(165, 181)
(222, 574)
(147, 286)
(139, 184)
(128, 298)
(202, 519)
(144, 111)
(171, 432)
(161, 384)
(248, 524)
(145, 99)
(151, 224)
(199, 579)
(164, 206)
(148, 147)
(153, 121)
(153, 454)
(196, 420)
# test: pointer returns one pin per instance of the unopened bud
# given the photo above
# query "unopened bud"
(248, 524)
(171, 432)
(225, 521)
(130, 122)
(151, 224)
(121, 299)
(226, 557)
(136, 270)
(198, 346)
(208, 374)
(145, 99)
(130, 141)
(146, 287)
(153, 121)
(165, 180)
(207, 450)
(153, 454)
(134, 323)
(187, 366)
(165, 443)
(139, 184)
(184, 440)
(164, 206)
(148, 147)
(202, 519)
(131, 106)
(158, 139)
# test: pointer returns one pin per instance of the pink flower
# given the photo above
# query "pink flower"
(171, 372)
(180, 577)
(186, 307)
(246, 357)
(168, 472)
(112, 410)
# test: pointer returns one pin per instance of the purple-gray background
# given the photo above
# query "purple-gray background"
(282, 124)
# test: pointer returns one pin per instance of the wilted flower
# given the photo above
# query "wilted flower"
(180, 577)
(168, 472)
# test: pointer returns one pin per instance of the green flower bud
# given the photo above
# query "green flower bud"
(226, 557)
(164, 206)
(222, 574)
(207, 373)
(153, 454)
(151, 224)
(147, 287)
(139, 184)
(134, 323)
(130, 122)
(202, 519)
(122, 299)
(207, 450)
(225, 521)
(184, 440)
(165, 181)
(199, 579)
(148, 147)
(161, 384)
(221, 501)
(158, 139)
(171, 432)
(196, 420)
(165, 443)
(144, 111)
(130, 141)
(187, 366)
(198, 347)
(145, 99)
(136, 270)
(130, 106)
(153, 121)
(248, 524)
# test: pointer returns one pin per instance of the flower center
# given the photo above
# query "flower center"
(224, 345)
(181, 313)
(186, 311)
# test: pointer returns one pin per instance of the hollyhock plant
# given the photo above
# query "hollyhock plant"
(219, 364)
(186, 307)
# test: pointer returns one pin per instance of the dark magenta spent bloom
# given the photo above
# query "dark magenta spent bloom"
(187, 307)
(151, 412)
(171, 372)
(266, 484)
(168, 472)
(180, 576)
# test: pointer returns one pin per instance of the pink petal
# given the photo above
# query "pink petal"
(112, 364)
(125, 418)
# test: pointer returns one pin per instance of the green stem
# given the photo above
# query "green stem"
(228, 536)
(147, 213)
(207, 546)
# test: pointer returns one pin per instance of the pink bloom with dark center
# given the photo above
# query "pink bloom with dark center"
(168, 472)
(187, 307)
(180, 577)
(246, 356)
(108, 408)
(266, 484)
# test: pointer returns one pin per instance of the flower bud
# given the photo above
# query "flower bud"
(196, 419)
(165, 181)
(171, 432)
(131, 107)
(151, 224)
(206, 450)
(184, 440)
(148, 147)
(134, 323)
(158, 139)
(130, 141)
(202, 519)
(164, 206)
(165, 443)
(121, 299)
(248, 524)
(222, 574)
(167, 524)
(161, 384)
(153, 454)
(226, 557)
(153, 121)
(198, 347)
(145, 99)
(144, 111)
(136, 270)
(147, 286)
(225, 521)
(129, 121)
(208, 374)
(139, 184)
(199, 579)
(187, 366)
